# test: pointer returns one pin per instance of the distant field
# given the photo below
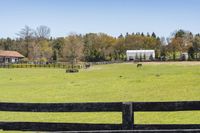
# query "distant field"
(103, 83)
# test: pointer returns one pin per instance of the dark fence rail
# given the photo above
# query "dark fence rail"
(166, 106)
(100, 107)
(127, 109)
(64, 66)
(55, 65)
(61, 107)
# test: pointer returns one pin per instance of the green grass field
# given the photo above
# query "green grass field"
(103, 83)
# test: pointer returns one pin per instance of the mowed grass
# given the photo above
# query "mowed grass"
(103, 83)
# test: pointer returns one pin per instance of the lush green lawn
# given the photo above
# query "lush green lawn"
(102, 83)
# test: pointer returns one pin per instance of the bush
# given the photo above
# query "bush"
(43, 60)
(24, 60)
(72, 70)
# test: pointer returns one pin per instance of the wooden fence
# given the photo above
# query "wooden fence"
(57, 65)
(64, 66)
(127, 109)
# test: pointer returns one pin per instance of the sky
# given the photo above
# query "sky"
(112, 17)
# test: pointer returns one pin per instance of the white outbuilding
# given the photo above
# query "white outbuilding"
(140, 55)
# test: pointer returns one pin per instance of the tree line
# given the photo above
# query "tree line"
(37, 45)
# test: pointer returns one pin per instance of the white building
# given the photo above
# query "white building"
(140, 54)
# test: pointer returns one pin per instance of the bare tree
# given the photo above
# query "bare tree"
(27, 35)
(43, 32)
(26, 32)
(34, 53)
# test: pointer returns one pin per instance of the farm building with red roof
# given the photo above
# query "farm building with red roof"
(10, 56)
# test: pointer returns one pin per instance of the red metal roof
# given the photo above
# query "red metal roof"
(10, 54)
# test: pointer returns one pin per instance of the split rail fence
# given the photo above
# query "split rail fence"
(126, 108)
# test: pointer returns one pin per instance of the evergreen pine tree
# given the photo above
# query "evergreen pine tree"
(55, 55)
(153, 35)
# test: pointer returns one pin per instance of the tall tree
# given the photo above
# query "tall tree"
(181, 41)
(153, 35)
(58, 45)
(163, 49)
(119, 49)
(174, 46)
(27, 34)
(98, 47)
(196, 46)
(43, 32)
(46, 51)
(73, 50)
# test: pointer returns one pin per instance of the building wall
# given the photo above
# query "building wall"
(140, 54)
(9, 59)
(1, 60)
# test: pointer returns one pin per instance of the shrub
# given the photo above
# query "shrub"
(24, 60)
(72, 70)
(43, 60)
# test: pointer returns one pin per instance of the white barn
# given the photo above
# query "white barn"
(140, 54)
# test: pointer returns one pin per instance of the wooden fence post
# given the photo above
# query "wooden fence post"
(127, 116)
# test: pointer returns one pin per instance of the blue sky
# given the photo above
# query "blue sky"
(109, 16)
